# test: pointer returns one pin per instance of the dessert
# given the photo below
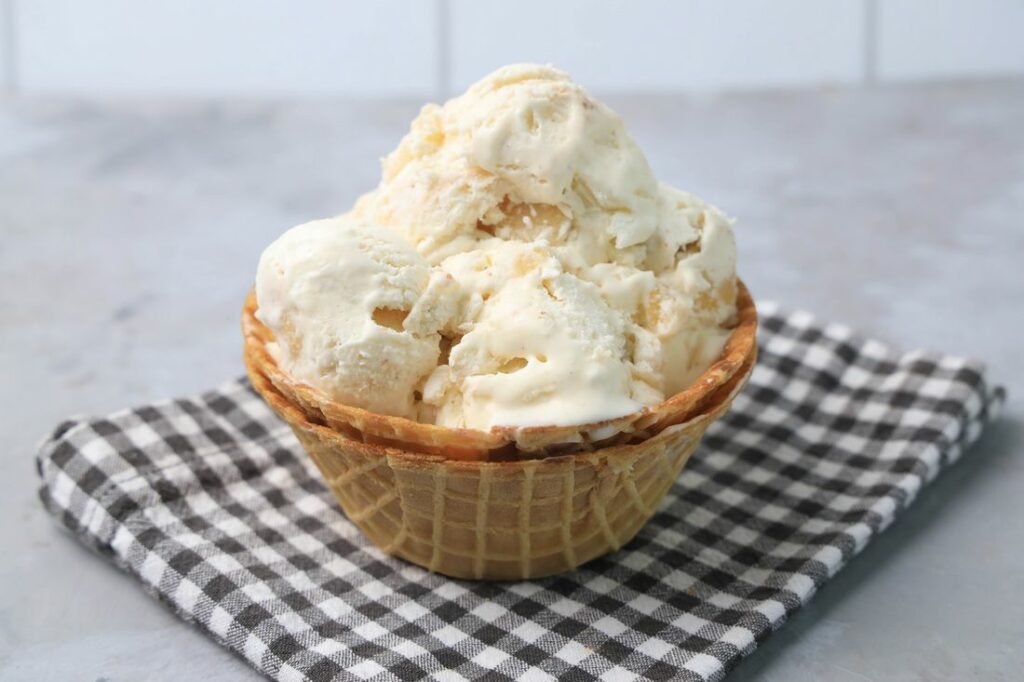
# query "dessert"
(519, 328)
(355, 311)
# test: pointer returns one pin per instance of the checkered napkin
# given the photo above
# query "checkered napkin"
(212, 504)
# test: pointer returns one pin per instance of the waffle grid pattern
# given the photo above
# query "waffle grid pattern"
(511, 520)
(210, 502)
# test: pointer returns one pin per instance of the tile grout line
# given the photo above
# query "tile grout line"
(9, 76)
(443, 57)
(870, 57)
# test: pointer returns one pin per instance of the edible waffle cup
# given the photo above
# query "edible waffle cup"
(508, 503)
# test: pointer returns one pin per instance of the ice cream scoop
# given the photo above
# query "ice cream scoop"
(527, 153)
(538, 342)
(355, 310)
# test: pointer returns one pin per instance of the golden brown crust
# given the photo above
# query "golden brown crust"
(501, 442)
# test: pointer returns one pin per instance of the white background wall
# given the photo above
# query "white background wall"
(437, 47)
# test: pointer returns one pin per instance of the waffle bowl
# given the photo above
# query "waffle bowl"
(506, 504)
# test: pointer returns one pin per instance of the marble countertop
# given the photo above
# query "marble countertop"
(129, 233)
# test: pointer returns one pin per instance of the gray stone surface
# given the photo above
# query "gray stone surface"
(129, 233)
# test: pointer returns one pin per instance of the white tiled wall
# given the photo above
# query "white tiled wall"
(219, 46)
(663, 44)
(436, 47)
(950, 38)
(6, 47)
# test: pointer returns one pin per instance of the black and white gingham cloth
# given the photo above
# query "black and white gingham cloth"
(212, 504)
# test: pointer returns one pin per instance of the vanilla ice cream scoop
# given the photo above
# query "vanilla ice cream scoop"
(355, 311)
(524, 150)
(518, 265)
(539, 342)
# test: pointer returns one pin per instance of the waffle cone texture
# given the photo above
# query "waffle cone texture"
(507, 504)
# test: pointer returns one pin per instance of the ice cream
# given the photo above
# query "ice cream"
(355, 310)
(538, 342)
(524, 154)
(549, 277)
